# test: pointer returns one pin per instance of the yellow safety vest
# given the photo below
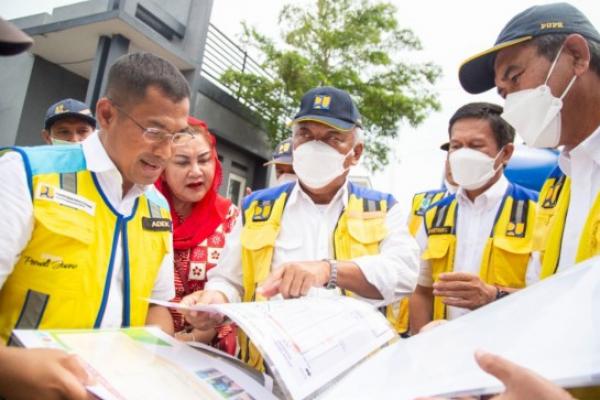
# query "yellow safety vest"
(420, 203)
(63, 275)
(507, 250)
(551, 216)
(360, 229)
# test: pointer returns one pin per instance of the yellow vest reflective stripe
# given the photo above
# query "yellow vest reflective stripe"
(420, 203)
(507, 250)
(360, 229)
(63, 275)
(552, 211)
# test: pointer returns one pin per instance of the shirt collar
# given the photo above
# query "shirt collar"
(488, 198)
(98, 161)
(298, 193)
(589, 148)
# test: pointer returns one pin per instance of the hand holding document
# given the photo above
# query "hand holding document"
(550, 328)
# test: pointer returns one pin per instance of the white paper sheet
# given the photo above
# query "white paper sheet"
(552, 327)
(308, 342)
(145, 363)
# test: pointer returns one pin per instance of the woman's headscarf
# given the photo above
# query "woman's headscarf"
(208, 213)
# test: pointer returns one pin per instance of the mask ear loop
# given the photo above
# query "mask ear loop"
(554, 64)
(564, 93)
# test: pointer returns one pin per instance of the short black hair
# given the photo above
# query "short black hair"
(132, 74)
(504, 133)
(548, 46)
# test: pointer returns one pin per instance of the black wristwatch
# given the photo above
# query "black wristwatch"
(501, 293)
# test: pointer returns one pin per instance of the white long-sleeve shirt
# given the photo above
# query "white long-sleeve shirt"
(582, 165)
(16, 212)
(307, 235)
(474, 222)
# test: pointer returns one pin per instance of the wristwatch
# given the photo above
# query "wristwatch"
(501, 293)
(332, 283)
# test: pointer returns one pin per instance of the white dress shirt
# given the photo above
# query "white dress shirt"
(582, 165)
(16, 212)
(474, 223)
(307, 235)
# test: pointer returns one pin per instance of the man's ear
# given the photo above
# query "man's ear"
(577, 46)
(508, 151)
(46, 136)
(105, 113)
(358, 151)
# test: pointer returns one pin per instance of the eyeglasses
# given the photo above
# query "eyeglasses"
(156, 135)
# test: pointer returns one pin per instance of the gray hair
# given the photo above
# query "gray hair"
(548, 46)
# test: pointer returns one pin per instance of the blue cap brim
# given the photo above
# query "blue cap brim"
(334, 123)
(84, 117)
(476, 74)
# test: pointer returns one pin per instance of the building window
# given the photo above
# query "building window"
(235, 188)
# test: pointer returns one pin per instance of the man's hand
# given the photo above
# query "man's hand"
(295, 279)
(461, 289)
(203, 320)
(519, 383)
(42, 374)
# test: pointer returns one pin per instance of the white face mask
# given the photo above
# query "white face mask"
(535, 113)
(60, 141)
(285, 178)
(472, 169)
(450, 188)
(317, 164)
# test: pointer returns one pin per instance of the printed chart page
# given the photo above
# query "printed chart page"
(311, 341)
(551, 328)
(145, 363)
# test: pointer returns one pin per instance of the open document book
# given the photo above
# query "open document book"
(307, 343)
(335, 348)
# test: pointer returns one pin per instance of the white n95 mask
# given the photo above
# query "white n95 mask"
(317, 164)
(285, 178)
(535, 113)
(472, 169)
(60, 141)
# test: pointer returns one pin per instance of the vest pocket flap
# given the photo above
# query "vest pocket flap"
(367, 230)
(514, 245)
(436, 248)
(65, 221)
(258, 237)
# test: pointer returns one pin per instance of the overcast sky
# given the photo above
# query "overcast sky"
(450, 31)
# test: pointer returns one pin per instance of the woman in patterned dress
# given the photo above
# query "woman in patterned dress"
(201, 220)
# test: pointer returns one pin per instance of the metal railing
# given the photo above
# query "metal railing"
(222, 54)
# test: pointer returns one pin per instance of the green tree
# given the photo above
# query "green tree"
(350, 44)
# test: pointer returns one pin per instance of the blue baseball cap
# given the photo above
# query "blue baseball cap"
(68, 108)
(282, 153)
(330, 106)
(476, 74)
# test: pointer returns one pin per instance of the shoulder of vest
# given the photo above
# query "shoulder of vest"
(445, 201)
(269, 194)
(522, 193)
(49, 159)
(371, 194)
(156, 197)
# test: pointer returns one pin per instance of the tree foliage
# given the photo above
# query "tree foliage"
(354, 45)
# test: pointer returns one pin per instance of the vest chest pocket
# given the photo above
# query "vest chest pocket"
(509, 260)
(439, 254)
(259, 241)
(65, 221)
(365, 235)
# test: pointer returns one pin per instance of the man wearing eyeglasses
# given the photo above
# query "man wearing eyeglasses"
(89, 236)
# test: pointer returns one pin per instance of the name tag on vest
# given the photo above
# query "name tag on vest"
(52, 193)
(156, 224)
